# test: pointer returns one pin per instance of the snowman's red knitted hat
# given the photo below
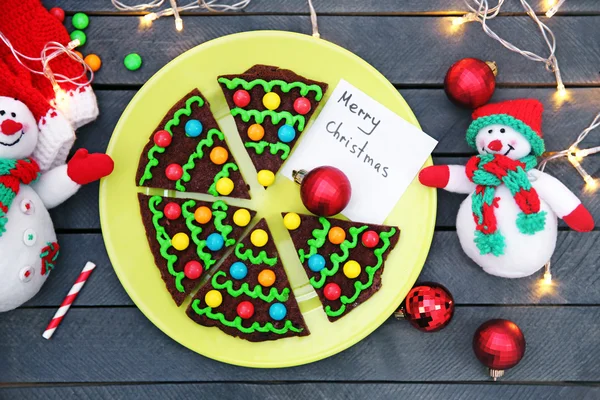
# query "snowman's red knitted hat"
(523, 115)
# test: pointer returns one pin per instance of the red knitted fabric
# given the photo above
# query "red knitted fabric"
(529, 111)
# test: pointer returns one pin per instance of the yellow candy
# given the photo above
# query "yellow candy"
(213, 299)
(202, 215)
(180, 241)
(271, 100)
(352, 269)
(266, 277)
(241, 217)
(291, 221)
(224, 186)
(256, 132)
(266, 177)
(259, 237)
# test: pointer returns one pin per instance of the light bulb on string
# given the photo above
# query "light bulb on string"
(554, 7)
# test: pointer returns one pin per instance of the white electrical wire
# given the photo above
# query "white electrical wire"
(313, 20)
(139, 7)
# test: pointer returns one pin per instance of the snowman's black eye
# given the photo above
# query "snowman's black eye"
(502, 130)
(490, 131)
(2, 112)
(13, 115)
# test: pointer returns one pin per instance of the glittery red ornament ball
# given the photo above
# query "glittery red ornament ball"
(370, 239)
(241, 98)
(470, 82)
(302, 105)
(499, 344)
(245, 309)
(429, 307)
(325, 191)
(174, 172)
(58, 13)
(172, 211)
(192, 270)
(162, 139)
(332, 291)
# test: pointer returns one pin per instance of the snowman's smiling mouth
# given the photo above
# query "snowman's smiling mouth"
(510, 148)
(13, 143)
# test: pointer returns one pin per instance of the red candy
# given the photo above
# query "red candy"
(332, 291)
(172, 211)
(58, 13)
(162, 138)
(302, 105)
(174, 172)
(192, 270)
(241, 98)
(370, 239)
(245, 309)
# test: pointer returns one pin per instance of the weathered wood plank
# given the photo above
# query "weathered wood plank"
(300, 391)
(344, 6)
(121, 345)
(401, 60)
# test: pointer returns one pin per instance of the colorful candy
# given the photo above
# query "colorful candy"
(277, 311)
(58, 13)
(286, 133)
(259, 237)
(241, 98)
(213, 298)
(245, 309)
(193, 128)
(79, 35)
(192, 270)
(132, 61)
(202, 215)
(238, 270)
(80, 20)
(266, 277)
(265, 177)
(93, 61)
(241, 217)
(174, 172)
(215, 242)
(219, 155)
(370, 239)
(291, 221)
(302, 105)
(336, 235)
(316, 262)
(180, 241)
(172, 211)
(224, 186)
(256, 132)
(351, 269)
(162, 138)
(332, 291)
(271, 100)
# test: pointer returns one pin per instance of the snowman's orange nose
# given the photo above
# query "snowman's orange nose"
(495, 145)
(10, 127)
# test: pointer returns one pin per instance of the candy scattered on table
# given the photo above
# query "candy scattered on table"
(192, 270)
(302, 105)
(80, 20)
(132, 61)
(93, 61)
(162, 138)
(256, 132)
(266, 277)
(58, 13)
(266, 177)
(193, 128)
(219, 155)
(174, 172)
(332, 291)
(213, 298)
(241, 217)
(277, 311)
(370, 239)
(291, 221)
(224, 186)
(241, 98)
(286, 133)
(271, 100)
(351, 269)
(215, 242)
(316, 262)
(259, 237)
(78, 54)
(238, 270)
(202, 215)
(172, 211)
(245, 309)
(336, 235)
(180, 241)
(79, 35)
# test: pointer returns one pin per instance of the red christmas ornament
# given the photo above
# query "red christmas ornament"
(241, 98)
(245, 309)
(192, 270)
(172, 211)
(162, 138)
(58, 13)
(499, 344)
(302, 105)
(470, 82)
(332, 291)
(429, 307)
(325, 191)
(174, 172)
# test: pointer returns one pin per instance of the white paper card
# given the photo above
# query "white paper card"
(379, 151)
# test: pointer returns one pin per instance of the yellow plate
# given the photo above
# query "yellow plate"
(123, 230)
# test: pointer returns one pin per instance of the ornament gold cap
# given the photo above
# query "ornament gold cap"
(299, 175)
(493, 66)
(496, 373)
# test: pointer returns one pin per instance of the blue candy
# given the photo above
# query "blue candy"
(214, 242)
(238, 270)
(277, 311)
(316, 262)
(193, 128)
(286, 133)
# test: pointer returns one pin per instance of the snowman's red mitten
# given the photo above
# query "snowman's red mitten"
(84, 168)
(436, 176)
(580, 219)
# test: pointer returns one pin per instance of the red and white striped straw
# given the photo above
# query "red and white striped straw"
(66, 304)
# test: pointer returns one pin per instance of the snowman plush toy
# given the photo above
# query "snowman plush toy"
(508, 223)
(33, 179)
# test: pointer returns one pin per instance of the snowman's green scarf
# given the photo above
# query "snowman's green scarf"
(12, 174)
(489, 171)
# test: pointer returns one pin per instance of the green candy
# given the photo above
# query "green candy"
(132, 61)
(80, 21)
(79, 35)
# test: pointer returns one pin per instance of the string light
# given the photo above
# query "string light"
(483, 13)
(554, 9)
(313, 20)
(547, 274)
(139, 7)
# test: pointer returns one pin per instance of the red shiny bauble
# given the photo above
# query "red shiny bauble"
(470, 82)
(302, 105)
(172, 211)
(192, 270)
(58, 13)
(499, 344)
(429, 307)
(245, 309)
(325, 191)
(174, 172)
(370, 239)
(162, 138)
(241, 98)
(332, 291)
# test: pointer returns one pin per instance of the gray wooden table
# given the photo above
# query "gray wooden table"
(106, 348)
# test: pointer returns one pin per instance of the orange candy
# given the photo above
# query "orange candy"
(93, 61)
(202, 215)
(78, 53)
(256, 132)
(266, 277)
(219, 155)
(336, 235)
